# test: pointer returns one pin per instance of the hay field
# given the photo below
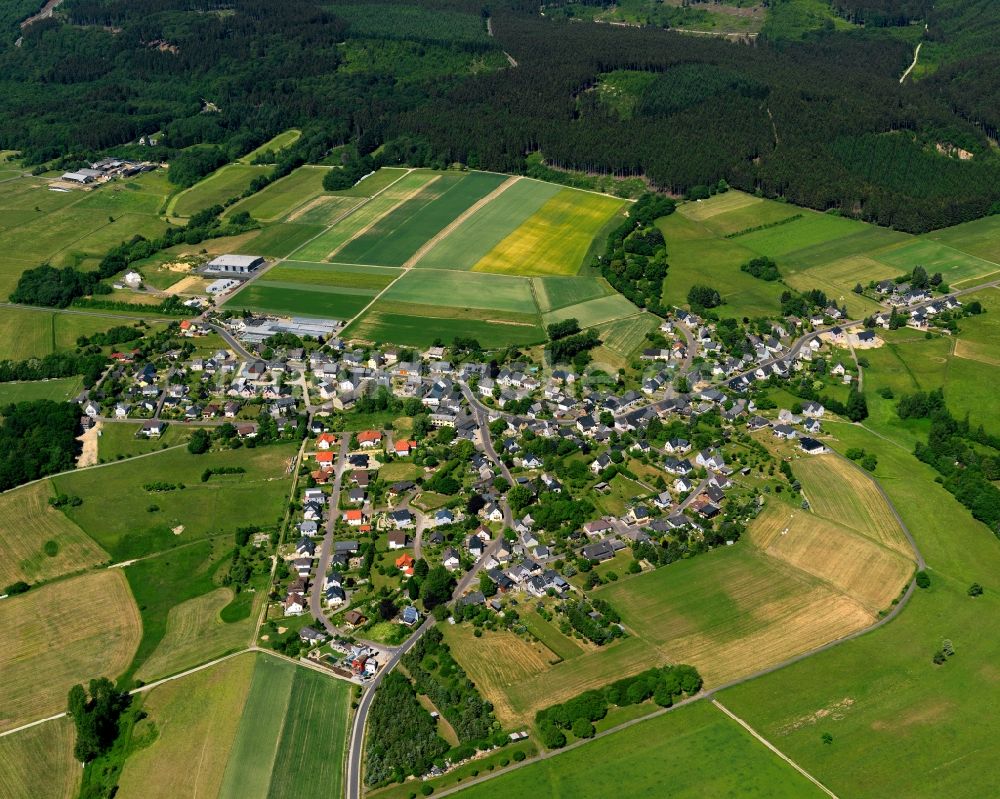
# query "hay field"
(61, 634)
(763, 212)
(43, 750)
(196, 719)
(621, 338)
(27, 522)
(838, 279)
(501, 293)
(555, 239)
(728, 202)
(594, 312)
(486, 228)
(979, 336)
(553, 293)
(955, 266)
(812, 229)
(85, 251)
(373, 184)
(284, 139)
(980, 238)
(850, 562)
(840, 491)
(225, 183)
(284, 195)
(195, 632)
(58, 390)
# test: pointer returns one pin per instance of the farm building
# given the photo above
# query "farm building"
(235, 264)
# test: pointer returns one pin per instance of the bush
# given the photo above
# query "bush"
(975, 590)
(16, 588)
(583, 729)
(519, 756)
(923, 579)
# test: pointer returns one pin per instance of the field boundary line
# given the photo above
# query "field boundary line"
(774, 749)
(450, 228)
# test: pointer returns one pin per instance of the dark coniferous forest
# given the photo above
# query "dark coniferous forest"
(821, 120)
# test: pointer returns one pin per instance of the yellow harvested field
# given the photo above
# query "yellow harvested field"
(496, 663)
(26, 524)
(196, 719)
(555, 239)
(195, 633)
(61, 634)
(719, 204)
(839, 490)
(850, 562)
(38, 763)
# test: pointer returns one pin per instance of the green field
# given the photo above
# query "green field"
(281, 240)
(838, 279)
(862, 242)
(350, 276)
(373, 184)
(419, 325)
(625, 336)
(309, 300)
(398, 235)
(979, 336)
(325, 210)
(881, 693)
(480, 233)
(115, 509)
(954, 265)
(676, 755)
(734, 212)
(553, 293)
(555, 239)
(980, 237)
(812, 229)
(501, 293)
(549, 635)
(291, 736)
(57, 390)
(277, 144)
(46, 749)
(594, 312)
(119, 440)
(284, 195)
(223, 184)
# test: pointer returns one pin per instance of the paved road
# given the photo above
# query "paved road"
(326, 550)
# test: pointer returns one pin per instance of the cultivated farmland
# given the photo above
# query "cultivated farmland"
(30, 530)
(196, 720)
(38, 763)
(277, 144)
(310, 300)
(61, 634)
(284, 195)
(223, 184)
(594, 312)
(554, 293)
(463, 290)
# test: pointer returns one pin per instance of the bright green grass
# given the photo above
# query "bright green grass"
(881, 693)
(310, 756)
(284, 195)
(954, 265)
(161, 582)
(223, 184)
(339, 275)
(288, 299)
(59, 390)
(813, 228)
(284, 139)
(118, 440)
(980, 335)
(553, 293)
(715, 262)
(420, 326)
(463, 290)
(280, 241)
(980, 237)
(326, 210)
(621, 491)
(374, 183)
(115, 504)
(555, 239)
(764, 212)
(397, 235)
(676, 754)
(594, 312)
(252, 760)
(546, 632)
(863, 242)
(485, 229)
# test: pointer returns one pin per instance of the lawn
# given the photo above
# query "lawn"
(284, 195)
(39, 542)
(308, 300)
(46, 749)
(57, 390)
(501, 293)
(416, 325)
(555, 239)
(676, 754)
(955, 266)
(901, 726)
(553, 293)
(486, 228)
(594, 312)
(115, 509)
(223, 184)
(195, 719)
(119, 441)
(61, 634)
(284, 139)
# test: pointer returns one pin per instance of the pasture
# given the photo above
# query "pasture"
(195, 719)
(284, 195)
(881, 692)
(501, 293)
(116, 507)
(225, 183)
(38, 542)
(278, 143)
(555, 239)
(678, 752)
(553, 293)
(955, 266)
(58, 390)
(195, 633)
(60, 634)
(292, 734)
(477, 235)
(46, 749)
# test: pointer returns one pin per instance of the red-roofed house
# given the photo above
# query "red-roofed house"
(404, 448)
(355, 518)
(324, 459)
(326, 441)
(369, 438)
(405, 564)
